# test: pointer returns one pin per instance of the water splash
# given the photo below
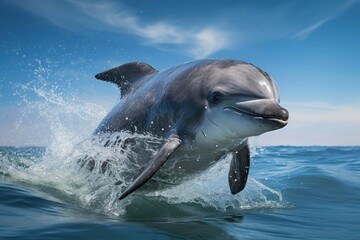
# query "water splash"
(70, 119)
(78, 168)
(211, 189)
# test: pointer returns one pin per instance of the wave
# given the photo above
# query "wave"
(98, 188)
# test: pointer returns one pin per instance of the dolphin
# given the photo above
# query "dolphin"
(205, 108)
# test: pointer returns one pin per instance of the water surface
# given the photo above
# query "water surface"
(293, 192)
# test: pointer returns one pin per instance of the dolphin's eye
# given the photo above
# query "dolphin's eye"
(215, 97)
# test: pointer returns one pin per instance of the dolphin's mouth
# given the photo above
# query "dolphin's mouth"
(275, 120)
(271, 113)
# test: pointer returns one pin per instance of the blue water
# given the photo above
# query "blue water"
(293, 192)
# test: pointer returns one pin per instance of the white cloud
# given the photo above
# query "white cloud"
(317, 124)
(307, 31)
(236, 25)
(161, 33)
(208, 41)
(303, 34)
(198, 40)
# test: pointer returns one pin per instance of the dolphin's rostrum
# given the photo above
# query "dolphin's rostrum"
(206, 108)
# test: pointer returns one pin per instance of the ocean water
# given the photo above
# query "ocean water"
(293, 192)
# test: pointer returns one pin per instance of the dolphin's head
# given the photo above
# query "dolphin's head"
(240, 101)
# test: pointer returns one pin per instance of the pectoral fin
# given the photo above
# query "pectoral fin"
(171, 144)
(239, 169)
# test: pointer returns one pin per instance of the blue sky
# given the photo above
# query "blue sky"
(311, 48)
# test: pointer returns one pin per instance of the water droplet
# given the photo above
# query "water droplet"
(126, 118)
(162, 129)
(216, 145)
(151, 122)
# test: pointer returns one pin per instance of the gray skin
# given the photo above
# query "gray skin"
(203, 109)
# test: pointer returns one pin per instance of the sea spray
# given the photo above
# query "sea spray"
(210, 189)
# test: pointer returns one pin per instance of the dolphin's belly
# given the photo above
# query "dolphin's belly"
(184, 164)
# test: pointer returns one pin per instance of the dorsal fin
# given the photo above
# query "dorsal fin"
(126, 74)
